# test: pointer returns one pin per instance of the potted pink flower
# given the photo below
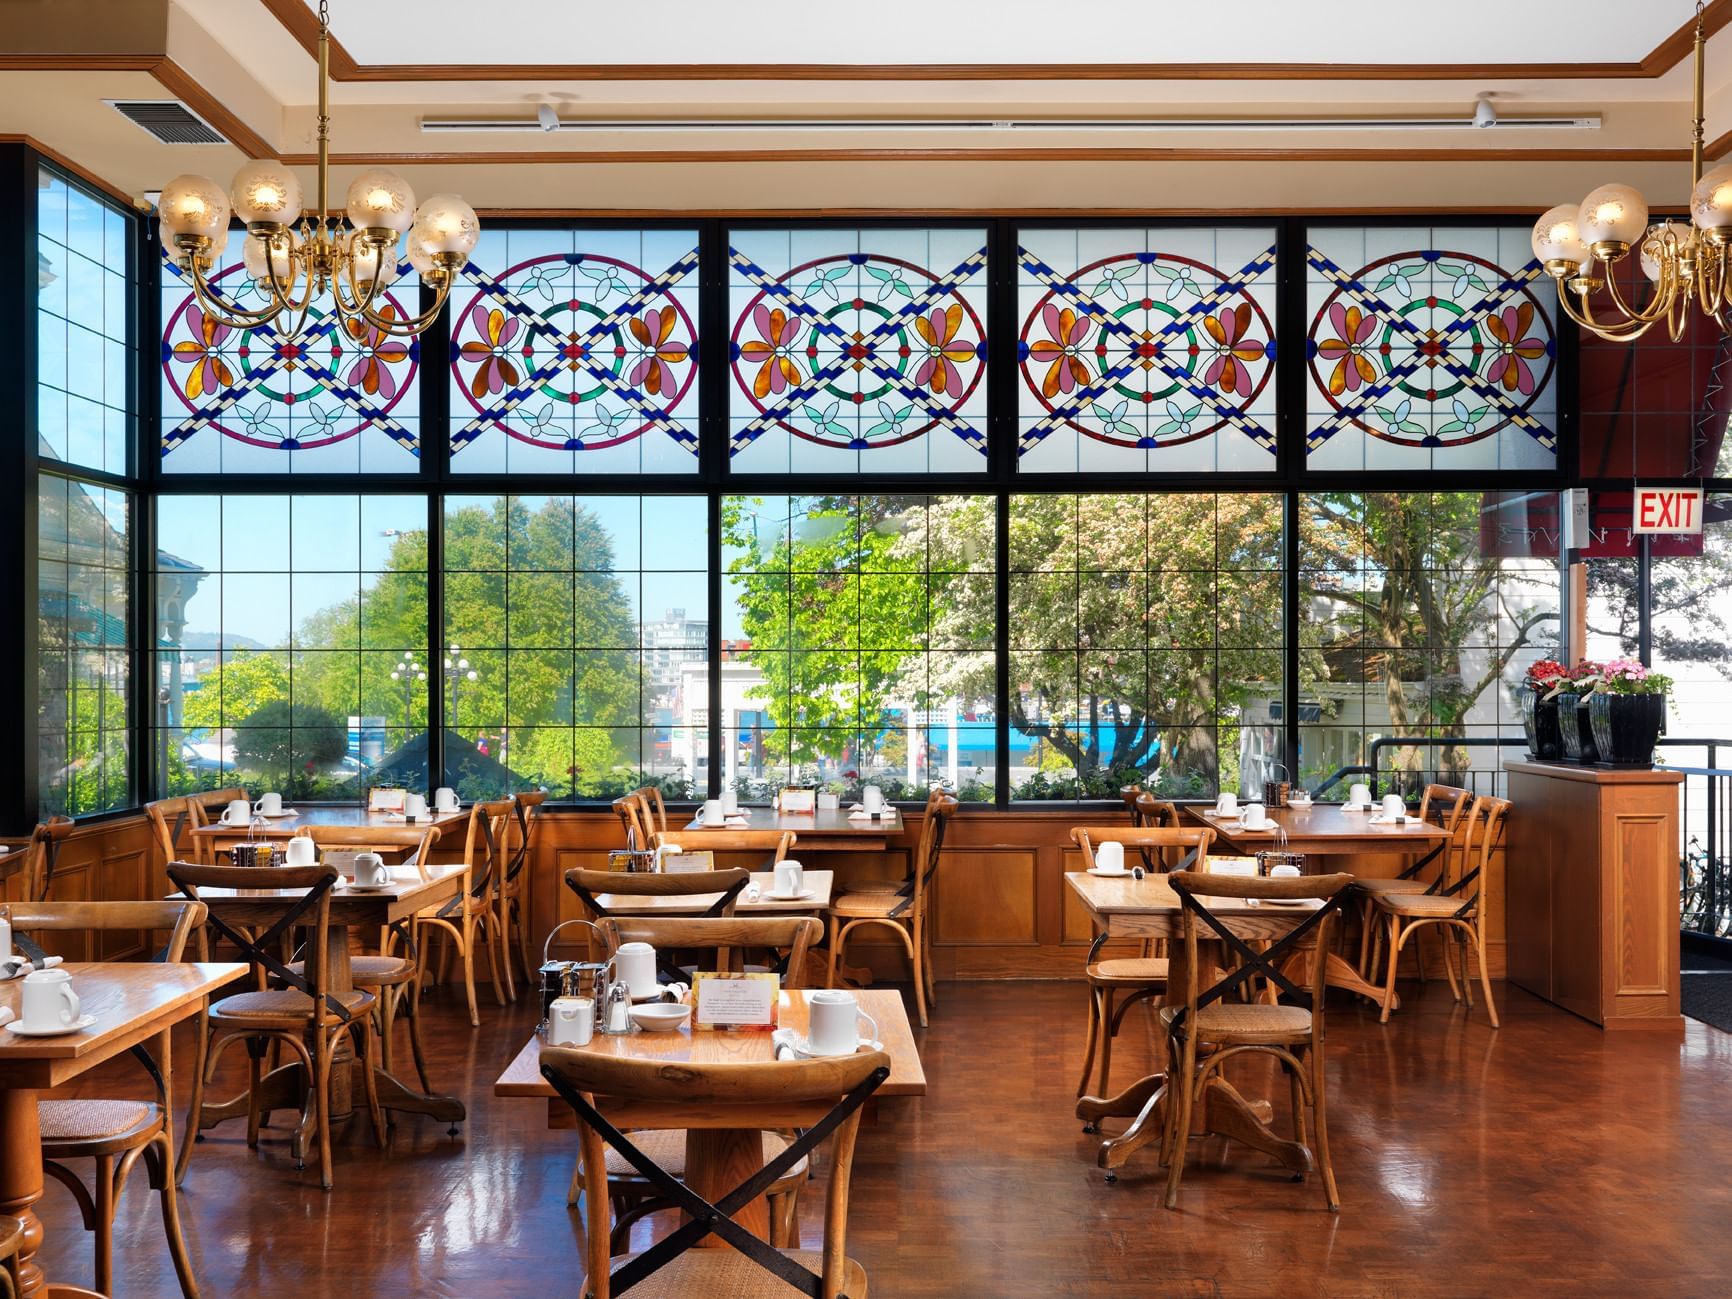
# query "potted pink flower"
(1627, 711)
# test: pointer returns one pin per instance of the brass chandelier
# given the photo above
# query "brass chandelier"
(293, 265)
(1582, 245)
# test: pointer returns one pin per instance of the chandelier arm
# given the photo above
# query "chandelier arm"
(1711, 280)
(225, 312)
(1612, 331)
(1665, 289)
(409, 328)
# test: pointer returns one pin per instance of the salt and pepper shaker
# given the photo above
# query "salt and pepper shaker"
(617, 1018)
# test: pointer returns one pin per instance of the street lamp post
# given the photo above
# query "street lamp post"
(458, 670)
(408, 671)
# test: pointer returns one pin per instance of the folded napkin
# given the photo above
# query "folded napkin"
(861, 814)
(16, 967)
(1380, 819)
(751, 894)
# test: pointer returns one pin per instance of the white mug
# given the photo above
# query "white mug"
(872, 798)
(833, 1022)
(790, 878)
(713, 813)
(1110, 858)
(371, 870)
(300, 851)
(414, 807)
(730, 801)
(570, 1021)
(1359, 795)
(1393, 807)
(49, 1001)
(1254, 817)
(636, 963)
(269, 804)
(238, 813)
(1227, 805)
(445, 798)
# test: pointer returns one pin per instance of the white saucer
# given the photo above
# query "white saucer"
(1111, 875)
(282, 815)
(1356, 807)
(788, 897)
(59, 1030)
(352, 887)
(797, 1043)
(1286, 902)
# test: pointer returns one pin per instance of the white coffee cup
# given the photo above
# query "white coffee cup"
(414, 807)
(371, 872)
(1227, 805)
(571, 1021)
(445, 798)
(1393, 807)
(1110, 858)
(790, 878)
(270, 804)
(49, 1002)
(730, 801)
(872, 798)
(833, 1022)
(713, 813)
(238, 813)
(1254, 817)
(1359, 795)
(636, 964)
(300, 851)
(1283, 872)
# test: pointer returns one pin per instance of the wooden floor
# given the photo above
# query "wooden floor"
(1548, 1158)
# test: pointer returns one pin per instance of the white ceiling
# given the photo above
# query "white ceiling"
(1002, 31)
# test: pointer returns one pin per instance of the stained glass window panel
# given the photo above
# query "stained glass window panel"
(576, 351)
(335, 398)
(857, 350)
(1146, 350)
(1429, 349)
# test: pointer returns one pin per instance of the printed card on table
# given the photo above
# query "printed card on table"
(735, 1001)
(798, 800)
(384, 799)
(1232, 866)
(688, 862)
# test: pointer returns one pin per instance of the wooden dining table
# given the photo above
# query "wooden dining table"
(410, 892)
(132, 1002)
(220, 838)
(717, 1160)
(823, 830)
(1125, 907)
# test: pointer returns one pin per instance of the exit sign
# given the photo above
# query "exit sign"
(1667, 509)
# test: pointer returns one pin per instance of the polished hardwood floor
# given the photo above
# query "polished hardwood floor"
(1546, 1159)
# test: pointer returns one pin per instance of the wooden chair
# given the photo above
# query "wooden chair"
(1292, 1034)
(471, 916)
(858, 886)
(45, 841)
(630, 814)
(629, 1193)
(752, 1269)
(589, 884)
(305, 1016)
(1455, 908)
(1445, 805)
(526, 816)
(653, 809)
(775, 842)
(1147, 811)
(903, 912)
(169, 817)
(11, 1241)
(1138, 978)
(204, 808)
(116, 1134)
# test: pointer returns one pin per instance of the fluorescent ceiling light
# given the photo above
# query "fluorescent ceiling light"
(1471, 121)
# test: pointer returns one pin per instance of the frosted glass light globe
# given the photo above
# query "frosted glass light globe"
(1613, 213)
(1555, 238)
(192, 205)
(448, 225)
(266, 191)
(380, 199)
(369, 263)
(280, 254)
(1711, 200)
(417, 253)
(1680, 238)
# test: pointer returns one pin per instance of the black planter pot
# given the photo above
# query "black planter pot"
(1626, 727)
(1540, 721)
(1577, 730)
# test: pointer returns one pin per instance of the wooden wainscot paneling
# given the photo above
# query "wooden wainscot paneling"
(987, 898)
(102, 861)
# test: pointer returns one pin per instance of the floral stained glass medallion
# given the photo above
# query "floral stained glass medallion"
(857, 350)
(338, 397)
(1429, 349)
(1146, 349)
(576, 351)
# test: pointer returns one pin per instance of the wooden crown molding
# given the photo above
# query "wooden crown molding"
(301, 23)
(66, 164)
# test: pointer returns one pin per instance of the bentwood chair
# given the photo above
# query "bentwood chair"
(305, 1015)
(1456, 908)
(589, 885)
(44, 852)
(204, 808)
(630, 814)
(653, 809)
(11, 1241)
(513, 897)
(471, 916)
(1445, 806)
(1136, 978)
(116, 1134)
(775, 842)
(708, 1096)
(1208, 1030)
(904, 912)
(629, 1192)
(897, 886)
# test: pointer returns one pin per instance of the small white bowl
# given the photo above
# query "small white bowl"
(660, 1016)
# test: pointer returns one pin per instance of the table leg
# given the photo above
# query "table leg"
(717, 1161)
(21, 1178)
(1228, 1114)
(396, 1095)
(1337, 973)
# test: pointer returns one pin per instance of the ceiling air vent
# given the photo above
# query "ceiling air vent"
(168, 120)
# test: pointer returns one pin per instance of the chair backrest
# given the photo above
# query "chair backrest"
(630, 814)
(203, 809)
(44, 851)
(180, 919)
(930, 851)
(645, 884)
(168, 817)
(1447, 806)
(821, 1097)
(1310, 929)
(1146, 810)
(526, 818)
(652, 808)
(484, 845)
(1483, 832)
(1176, 847)
(264, 920)
(776, 841)
(729, 935)
(412, 844)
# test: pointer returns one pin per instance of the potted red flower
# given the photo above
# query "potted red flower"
(1572, 694)
(1540, 711)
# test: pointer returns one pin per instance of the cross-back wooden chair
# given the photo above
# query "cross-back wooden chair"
(169, 818)
(1454, 907)
(11, 1241)
(588, 885)
(1208, 1028)
(1135, 978)
(630, 1195)
(828, 1095)
(1442, 805)
(858, 886)
(203, 808)
(653, 809)
(44, 853)
(630, 813)
(116, 1134)
(304, 1008)
(526, 816)
(905, 912)
(775, 842)
(471, 917)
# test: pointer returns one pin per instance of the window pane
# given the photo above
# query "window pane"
(857, 350)
(830, 604)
